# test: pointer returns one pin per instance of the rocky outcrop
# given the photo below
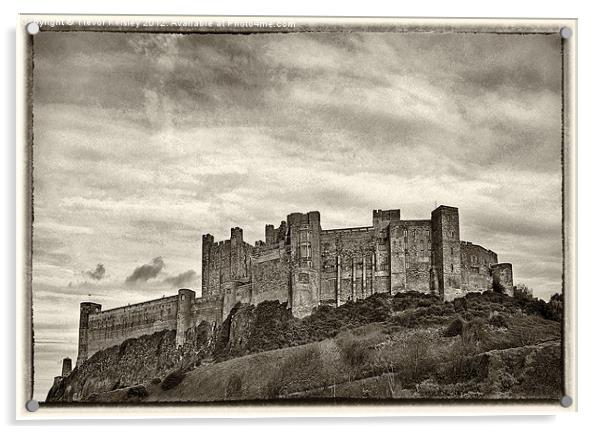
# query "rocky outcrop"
(250, 329)
(133, 362)
(247, 329)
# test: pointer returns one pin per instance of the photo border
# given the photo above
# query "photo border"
(276, 24)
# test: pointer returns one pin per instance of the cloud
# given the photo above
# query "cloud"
(189, 277)
(98, 273)
(145, 272)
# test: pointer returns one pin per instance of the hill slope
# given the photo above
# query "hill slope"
(408, 346)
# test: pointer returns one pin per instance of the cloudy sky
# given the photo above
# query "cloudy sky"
(145, 142)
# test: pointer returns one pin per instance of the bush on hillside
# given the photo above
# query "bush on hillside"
(298, 370)
(271, 324)
(172, 380)
(498, 320)
(354, 351)
(454, 328)
(137, 392)
(234, 385)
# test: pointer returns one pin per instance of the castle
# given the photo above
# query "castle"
(305, 266)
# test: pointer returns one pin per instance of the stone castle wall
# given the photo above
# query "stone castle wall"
(410, 242)
(347, 259)
(476, 266)
(270, 273)
(111, 327)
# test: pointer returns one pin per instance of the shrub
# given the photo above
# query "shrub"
(156, 380)
(137, 392)
(172, 380)
(455, 328)
(460, 304)
(234, 385)
(428, 388)
(498, 321)
(474, 331)
(405, 319)
(300, 367)
(498, 288)
(355, 352)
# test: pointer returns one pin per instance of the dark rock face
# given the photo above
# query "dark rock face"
(247, 329)
(250, 329)
(133, 362)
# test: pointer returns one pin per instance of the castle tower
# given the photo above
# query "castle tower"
(85, 309)
(237, 254)
(66, 367)
(383, 218)
(206, 256)
(381, 221)
(306, 261)
(502, 278)
(184, 320)
(446, 256)
(270, 235)
(275, 235)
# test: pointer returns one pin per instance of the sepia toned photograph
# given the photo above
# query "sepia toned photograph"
(283, 211)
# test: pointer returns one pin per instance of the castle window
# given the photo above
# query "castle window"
(303, 278)
(452, 251)
(305, 251)
(452, 268)
(183, 297)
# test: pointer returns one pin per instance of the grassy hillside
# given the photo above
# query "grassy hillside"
(411, 345)
(520, 359)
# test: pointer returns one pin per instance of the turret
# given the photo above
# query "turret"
(236, 235)
(304, 233)
(66, 367)
(502, 278)
(384, 216)
(446, 256)
(184, 320)
(85, 310)
(270, 235)
(206, 256)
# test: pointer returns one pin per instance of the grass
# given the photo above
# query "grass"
(410, 344)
